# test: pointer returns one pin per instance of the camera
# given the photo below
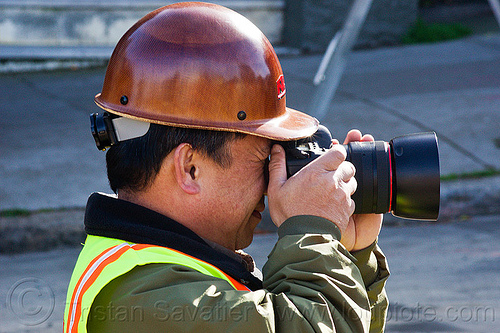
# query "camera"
(401, 176)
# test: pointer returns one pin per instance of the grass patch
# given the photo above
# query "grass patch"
(422, 32)
(15, 212)
(20, 212)
(471, 175)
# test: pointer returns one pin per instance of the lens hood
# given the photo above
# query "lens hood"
(416, 176)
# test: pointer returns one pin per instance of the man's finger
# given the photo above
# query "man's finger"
(346, 171)
(367, 138)
(353, 185)
(331, 160)
(277, 168)
(353, 135)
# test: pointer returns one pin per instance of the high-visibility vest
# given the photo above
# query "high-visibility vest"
(103, 259)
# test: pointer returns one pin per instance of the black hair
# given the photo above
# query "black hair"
(134, 164)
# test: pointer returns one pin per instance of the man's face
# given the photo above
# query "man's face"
(236, 193)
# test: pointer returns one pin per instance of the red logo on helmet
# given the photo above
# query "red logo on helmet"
(281, 87)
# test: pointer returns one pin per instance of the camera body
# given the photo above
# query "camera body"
(401, 176)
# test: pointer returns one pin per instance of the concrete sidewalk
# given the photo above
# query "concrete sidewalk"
(445, 278)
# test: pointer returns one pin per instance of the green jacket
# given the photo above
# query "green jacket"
(311, 284)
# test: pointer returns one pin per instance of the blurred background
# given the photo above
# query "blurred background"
(415, 66)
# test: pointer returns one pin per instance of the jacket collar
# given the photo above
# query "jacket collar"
(108, 216)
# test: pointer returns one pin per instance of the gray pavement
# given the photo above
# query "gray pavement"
(444, 278)
(48, 159)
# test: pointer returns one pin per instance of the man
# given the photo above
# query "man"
(195, 100)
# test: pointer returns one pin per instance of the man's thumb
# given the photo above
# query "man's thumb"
(277, 168)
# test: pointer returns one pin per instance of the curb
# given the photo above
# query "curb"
(22, 59)
(43, 231)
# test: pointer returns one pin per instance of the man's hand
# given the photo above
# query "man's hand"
(322, 188)
(362, 229)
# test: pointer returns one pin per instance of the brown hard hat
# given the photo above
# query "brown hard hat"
(203, 66)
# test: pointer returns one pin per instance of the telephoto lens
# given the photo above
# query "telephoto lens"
(401, 176)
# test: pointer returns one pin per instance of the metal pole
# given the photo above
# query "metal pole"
(495, 6)
(333, 63)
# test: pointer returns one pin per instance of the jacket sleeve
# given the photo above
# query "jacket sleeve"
(321, 278)
(311, 284)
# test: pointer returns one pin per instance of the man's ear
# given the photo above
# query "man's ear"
(186, 172)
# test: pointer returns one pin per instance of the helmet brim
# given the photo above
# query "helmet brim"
(292, 125)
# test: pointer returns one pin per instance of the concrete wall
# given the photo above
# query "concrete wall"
(304, 24)
(97, 23)
(311, 24)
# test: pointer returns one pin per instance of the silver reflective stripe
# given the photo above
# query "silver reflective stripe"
(89, 273)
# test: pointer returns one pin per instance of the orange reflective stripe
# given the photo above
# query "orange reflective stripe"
(237, 285)
(97, 265)
(89, 276)
(72, 303)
